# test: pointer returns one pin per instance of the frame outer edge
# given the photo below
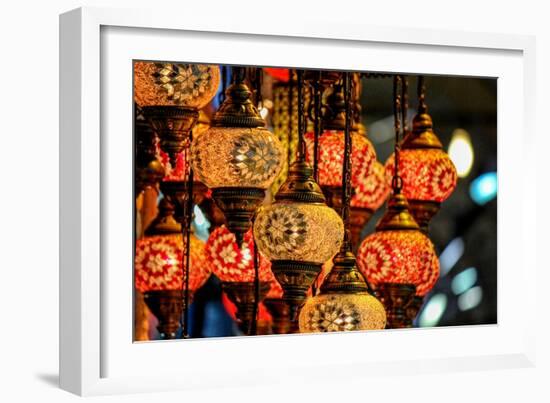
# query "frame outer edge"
(70, 119)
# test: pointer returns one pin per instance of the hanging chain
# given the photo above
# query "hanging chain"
(316, 124)
(253, 330)
(397, 181)
(253, 327)
(290, 119)
(405, 103)
(356, 99)
(301, 149)
(346, 169)
(422, 107)
(186, 235)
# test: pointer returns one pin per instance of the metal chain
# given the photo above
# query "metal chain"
(405, 103)
(397, 181)
(346, 169)
(186, 229)
(422, 107)
(301, 149)
(254, 323)
(290, 119)
(316, 124)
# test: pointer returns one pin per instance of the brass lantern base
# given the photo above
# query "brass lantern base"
(359, 217)
(177, 192)
(396, 299)
(295, 279)
(173, 125)
(423, 211)
(242, 294)
(167, 306)
(279, 311)
(238, 206)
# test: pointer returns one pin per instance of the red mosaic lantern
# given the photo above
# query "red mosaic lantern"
(230, 263)
(331, 157)
(158, 263)
(234, 266)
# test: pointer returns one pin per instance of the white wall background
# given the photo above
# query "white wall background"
(29, 199)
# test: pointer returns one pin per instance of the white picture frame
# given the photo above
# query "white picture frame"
(97, 355)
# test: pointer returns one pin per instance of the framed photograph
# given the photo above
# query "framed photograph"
(232, 212)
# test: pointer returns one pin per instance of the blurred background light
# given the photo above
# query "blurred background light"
(200, 224)
(464, 280)
(433, 310)
(382, 130)
(450, 255)
(470, 299)
(461, 152)
(263, 112)
(484, 188)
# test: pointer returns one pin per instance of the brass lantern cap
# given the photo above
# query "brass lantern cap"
(238, 110)
(344, 278)
(300, 187)
(397, 215)
(422, 134)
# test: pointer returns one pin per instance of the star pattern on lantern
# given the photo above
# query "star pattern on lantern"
(331, 157)
(371, 192)
(404, 257)
(181, 84)
(428, 174)
(255, 158)
(332, 316)
(237, 157)
(285, 229)
(158, 263)
(229, 262)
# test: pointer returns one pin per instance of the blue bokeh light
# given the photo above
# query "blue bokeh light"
(484, 188)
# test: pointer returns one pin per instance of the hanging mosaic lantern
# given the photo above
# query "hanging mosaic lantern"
(233, 264)
(171, 95)
(344, 303)
(238, 158)
(158, 269)
(429, 175)
(298, 232)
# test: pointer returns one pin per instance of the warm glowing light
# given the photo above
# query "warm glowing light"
(484, 188)
(461, 152)
(180, 84)
(342, 312)
(298, 231)
(237, 157)
(331, 157)
(158, 263)
(428, 174)
(373, 191)
(433, 311)
(399, 256)
(229, 262)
